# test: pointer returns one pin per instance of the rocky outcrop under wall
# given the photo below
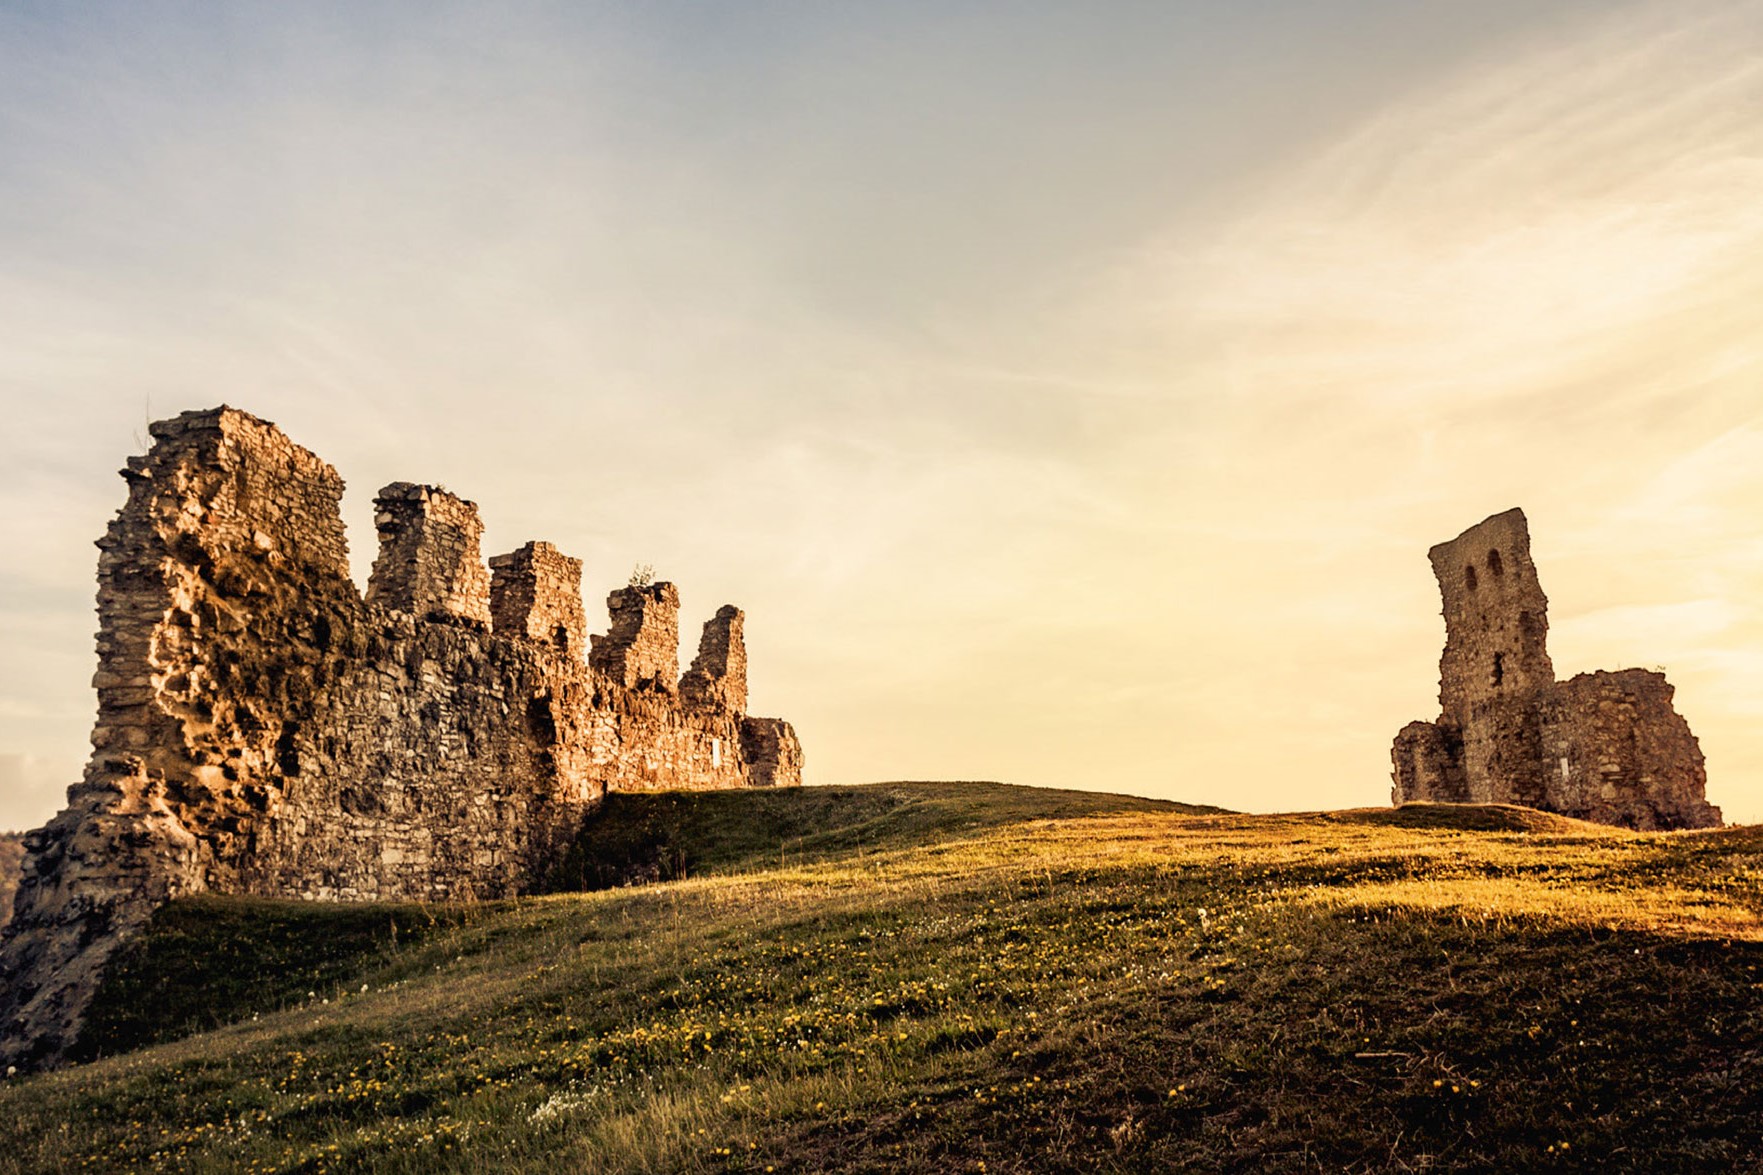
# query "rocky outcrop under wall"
(265, 729)
(1601, 746)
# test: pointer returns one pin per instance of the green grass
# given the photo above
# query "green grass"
(664, 836)
(1108, 988)
(208, 961)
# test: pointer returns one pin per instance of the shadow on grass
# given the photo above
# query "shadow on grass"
(208, 960)
(1467, 818)
(661, 836)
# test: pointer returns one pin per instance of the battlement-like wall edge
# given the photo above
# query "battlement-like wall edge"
(641, 650)
(429, 562)
(264, 728)
(536, 595)
(718, 676)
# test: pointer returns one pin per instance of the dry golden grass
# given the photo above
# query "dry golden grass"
(964, 986)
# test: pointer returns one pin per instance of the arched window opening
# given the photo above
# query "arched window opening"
(560, 638)
(1469, 575)
(1494, 565)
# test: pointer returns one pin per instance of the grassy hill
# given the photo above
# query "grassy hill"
(961, 977)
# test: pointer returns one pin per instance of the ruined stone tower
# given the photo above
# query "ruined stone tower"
(264, 728)
(1601, 746)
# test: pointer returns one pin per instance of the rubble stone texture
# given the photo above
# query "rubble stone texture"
(429, 564)
(265, 729)
(536, 595)
(642, 650)
(11, 857)
(718, 676)
(1601, 746)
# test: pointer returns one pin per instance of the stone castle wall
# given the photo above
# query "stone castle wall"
(718, 676)
(11, 859)
(1601, 746)
(264, 728)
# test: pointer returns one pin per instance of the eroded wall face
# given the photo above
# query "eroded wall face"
(264, 729)
(1603, 746)
(11, 861)
(536, 595)
(1496, 617)
(641, 651)
(717, 679)
(1622, 754)
(222, 583)
(1428, 762)
(774, 754)
(429, 563)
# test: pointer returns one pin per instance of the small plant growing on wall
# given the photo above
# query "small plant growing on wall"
(642, 575)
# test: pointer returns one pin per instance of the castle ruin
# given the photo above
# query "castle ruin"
(1601, 746)
(264, 728)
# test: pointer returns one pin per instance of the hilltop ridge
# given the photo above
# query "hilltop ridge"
(965, 975)
(265, 728)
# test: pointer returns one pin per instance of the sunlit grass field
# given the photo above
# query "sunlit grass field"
(961, 977)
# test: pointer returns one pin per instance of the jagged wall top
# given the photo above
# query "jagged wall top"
(1496, 615)
(429, 563)
(296, 491)
(1601, 746)
(718, 676)
(536, 594)
(264, 728)
(642, 649)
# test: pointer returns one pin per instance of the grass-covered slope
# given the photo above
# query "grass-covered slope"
(1434, 989)
(207, 961)
(663, 836)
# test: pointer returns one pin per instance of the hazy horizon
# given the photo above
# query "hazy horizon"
(1069, 397)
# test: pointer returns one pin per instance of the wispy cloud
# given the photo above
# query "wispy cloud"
(830, 317)
(1531, 284)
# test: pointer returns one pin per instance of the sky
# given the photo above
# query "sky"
(1069, 393)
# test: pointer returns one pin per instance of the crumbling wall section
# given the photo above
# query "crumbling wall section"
(679, 749)
(263, 728)
(447, 766)
(11, 861)
(1496, 616)
(222, 586)
(1622, 754)
(1603, 746)
(429, 562)
(772, 752)
(641, 650)
(536, 595)
(1428, 760)
(717, 679)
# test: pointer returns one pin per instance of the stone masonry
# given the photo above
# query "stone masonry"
(11, 857)
(1602, 746)
(266, 729)
(536, 593)
(718, 676)
(642, 650)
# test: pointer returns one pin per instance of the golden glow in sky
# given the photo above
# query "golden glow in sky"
(1068, 398)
